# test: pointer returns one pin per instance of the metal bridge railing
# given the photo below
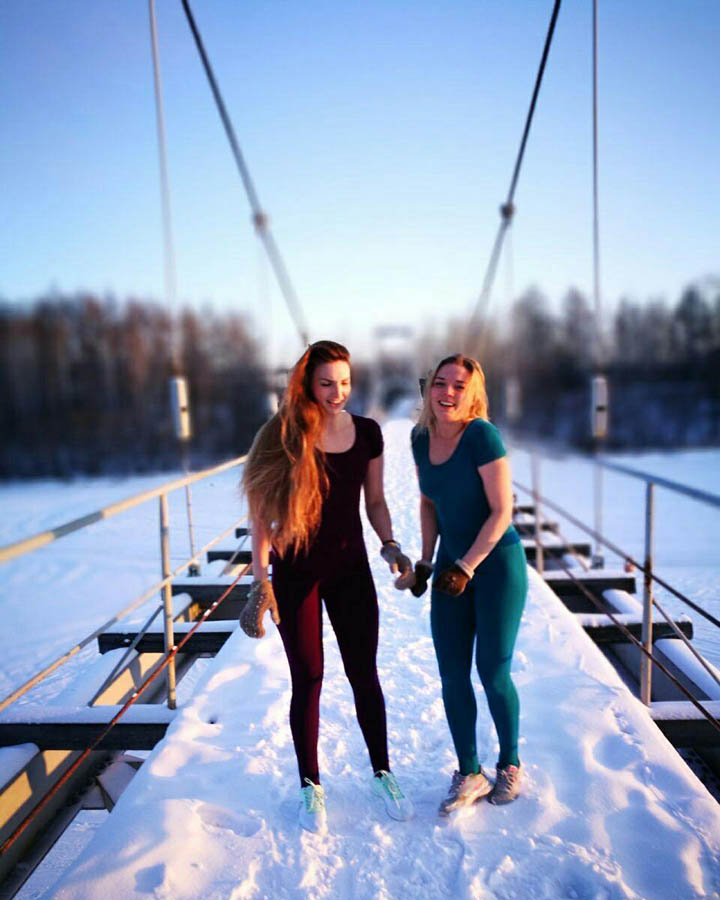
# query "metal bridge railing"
(649, 577)
(35, 542)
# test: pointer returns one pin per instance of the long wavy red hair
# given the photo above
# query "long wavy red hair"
(284, 477)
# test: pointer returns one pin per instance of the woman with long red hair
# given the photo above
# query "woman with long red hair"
(303, 479)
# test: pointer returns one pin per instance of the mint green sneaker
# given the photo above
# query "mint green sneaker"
(312, 815)
(397, 804)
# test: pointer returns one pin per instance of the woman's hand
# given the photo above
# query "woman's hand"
(261, 598)
(453, 580)
(392, 553)
(421, 576)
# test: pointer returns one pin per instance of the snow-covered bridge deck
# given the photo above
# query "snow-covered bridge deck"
(608, 810)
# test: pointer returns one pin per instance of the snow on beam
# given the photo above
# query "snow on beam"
(209, 638)
(604, 631)
(240, 557)
(595, 580)
(554, 550)
(684, 725)
(76, 729)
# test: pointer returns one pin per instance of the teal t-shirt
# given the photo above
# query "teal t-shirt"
(456, 488)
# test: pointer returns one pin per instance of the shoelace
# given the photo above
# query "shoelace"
(455, 784)
(393, 788)
(314, 796)
(507, 776)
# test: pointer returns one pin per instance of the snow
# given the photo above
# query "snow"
(14, 759)
(680, 711)
(608, 809)
(179, 628)
(140, 713)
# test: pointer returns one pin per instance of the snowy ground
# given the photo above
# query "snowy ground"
(609, 810)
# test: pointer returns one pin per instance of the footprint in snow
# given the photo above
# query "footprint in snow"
(227, 820)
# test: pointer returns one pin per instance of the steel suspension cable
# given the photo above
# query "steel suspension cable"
(507, 209)
(116, 718)
(260, 219)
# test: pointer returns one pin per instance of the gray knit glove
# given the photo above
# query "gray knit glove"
(392, 553)
(261, 598)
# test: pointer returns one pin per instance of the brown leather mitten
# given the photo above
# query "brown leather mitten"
(452, 581)
(261, 598)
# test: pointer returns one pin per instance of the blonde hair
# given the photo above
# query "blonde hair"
(475, 400)
(284, 477)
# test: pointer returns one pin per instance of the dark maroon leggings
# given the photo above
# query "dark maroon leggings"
(351, 604)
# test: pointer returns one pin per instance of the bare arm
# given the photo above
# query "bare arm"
(428, 527)
(498, 489)
(260, 551)
(375, 505)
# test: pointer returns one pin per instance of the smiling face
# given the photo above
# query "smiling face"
(331, 386)
(447, 393)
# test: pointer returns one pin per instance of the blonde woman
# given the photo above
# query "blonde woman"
(303, 480)
(480, 583)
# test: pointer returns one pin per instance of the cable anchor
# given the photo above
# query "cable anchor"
(507, 211)
(260, 220)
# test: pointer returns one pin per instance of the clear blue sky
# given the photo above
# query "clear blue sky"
(381, 137)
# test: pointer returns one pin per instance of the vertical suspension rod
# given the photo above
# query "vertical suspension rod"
(167, 598)
(168, 243)
(596, 214)
(170, 278)
(647, 620)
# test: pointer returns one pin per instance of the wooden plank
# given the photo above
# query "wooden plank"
(205, 593)
(153, 641)
(21, 795)
(604, 631)
(242, 557)
(80, 735)
(556, 551)
(684, 725)
(128, 679)
(527, 529)
(595, 580)
(527, 508)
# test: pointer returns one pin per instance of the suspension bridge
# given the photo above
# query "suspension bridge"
(86, 756)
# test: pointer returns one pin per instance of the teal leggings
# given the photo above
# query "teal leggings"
(486, 615)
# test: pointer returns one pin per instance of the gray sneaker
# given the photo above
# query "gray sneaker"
(507, 785)
(464, 791)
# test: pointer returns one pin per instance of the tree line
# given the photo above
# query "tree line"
(662, 362)
(84, 380)
(84, 386)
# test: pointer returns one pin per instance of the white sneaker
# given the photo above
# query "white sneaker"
(464, 791)
(396, 803)
(312, 815)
